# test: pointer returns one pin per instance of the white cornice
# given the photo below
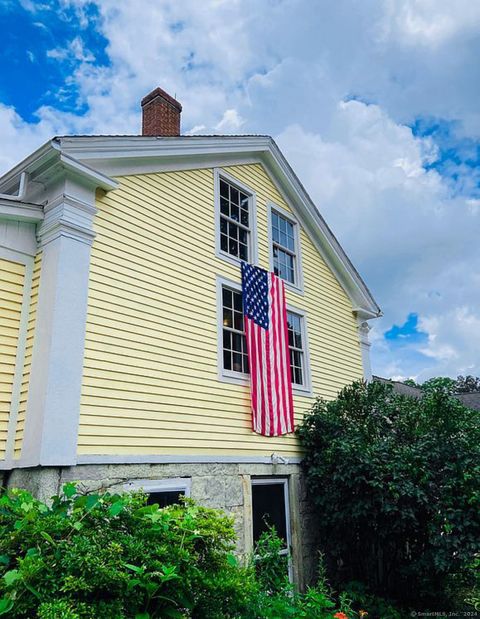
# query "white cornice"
(20, 211)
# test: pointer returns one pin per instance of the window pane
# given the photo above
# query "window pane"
(223, 242)
(235, 212)
(223, 189)
(227, 339)
(298, 376)
(227, 297)
(227, 360)
(224, 206)
(244, 217)
(234, 196)
(268, 506)
(238, 321)
(243, 252)
(237, 342)
(165, 498)
(233, 248)
(227, 317)
(237, 301)
(237, 362)
(242, 236)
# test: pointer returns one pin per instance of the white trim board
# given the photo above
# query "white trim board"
(170, 484)
(172, 459)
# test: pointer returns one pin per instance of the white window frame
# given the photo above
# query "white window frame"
(240, 378)
(173, 484)
(227, 376)
(298, 285)
(218, 174)
(268, 481)
(306, 388)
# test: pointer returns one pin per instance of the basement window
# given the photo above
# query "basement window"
(163, 492)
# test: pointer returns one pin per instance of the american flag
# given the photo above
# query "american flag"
(266, 331)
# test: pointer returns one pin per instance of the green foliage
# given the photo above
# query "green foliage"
(270, 566)
(467, 384)
(111, 556)
(276, 597)
(439, 384)
(396, 485)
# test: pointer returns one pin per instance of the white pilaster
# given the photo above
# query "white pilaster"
(363, 330)
(53, 407)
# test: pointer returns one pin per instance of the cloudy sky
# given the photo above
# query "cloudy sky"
(374, 102)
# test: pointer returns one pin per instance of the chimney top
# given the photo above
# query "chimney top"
(160, 114)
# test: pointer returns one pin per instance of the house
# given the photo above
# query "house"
(123, 353)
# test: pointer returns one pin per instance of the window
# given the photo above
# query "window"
(283, 240)
(234, 348)
(296, 348)
(285, 259)
(163, 492)
(234, 221)
(270, 507)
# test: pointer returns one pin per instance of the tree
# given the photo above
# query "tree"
(468, 384)
(396, 486)
(440, 383)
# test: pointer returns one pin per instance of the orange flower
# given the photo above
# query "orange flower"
(340, 616)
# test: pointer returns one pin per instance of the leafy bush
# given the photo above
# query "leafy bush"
(396, 485)
(109, 556)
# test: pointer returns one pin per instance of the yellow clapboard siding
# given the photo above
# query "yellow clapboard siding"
(12, 280)
(150, 383)
(32, 314)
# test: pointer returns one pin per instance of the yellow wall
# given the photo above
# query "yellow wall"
(150, 381)
(32, 314)
(12, 278)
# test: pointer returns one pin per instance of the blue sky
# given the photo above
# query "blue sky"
(374, 104)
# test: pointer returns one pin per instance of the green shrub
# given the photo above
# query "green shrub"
(111, 556)
(396, 485)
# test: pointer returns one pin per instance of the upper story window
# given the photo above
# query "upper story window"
(285, 247)
(235, 206)
(296, 348)
(283, 240)
(235, 357)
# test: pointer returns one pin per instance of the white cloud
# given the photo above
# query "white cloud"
(231, 121)
(75, 50)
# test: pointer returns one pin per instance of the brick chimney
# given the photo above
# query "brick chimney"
(160, 114)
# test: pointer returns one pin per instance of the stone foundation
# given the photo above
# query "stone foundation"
(225, 486)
